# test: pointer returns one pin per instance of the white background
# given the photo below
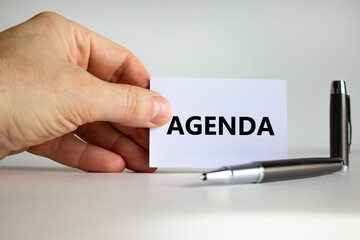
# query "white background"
(308, 43)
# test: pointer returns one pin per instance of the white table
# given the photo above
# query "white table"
(62, 203)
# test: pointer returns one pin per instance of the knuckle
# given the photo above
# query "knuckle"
(49, 21)
(131, 104)
(46, 16)
(79, 96)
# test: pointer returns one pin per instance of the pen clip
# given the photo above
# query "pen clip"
(349, 120)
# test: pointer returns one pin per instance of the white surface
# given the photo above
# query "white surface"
(61, 203)
(309, 43)
(255, 98)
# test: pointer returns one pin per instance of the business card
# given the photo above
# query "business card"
(219, 122)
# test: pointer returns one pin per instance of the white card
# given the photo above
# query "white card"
(219, 122)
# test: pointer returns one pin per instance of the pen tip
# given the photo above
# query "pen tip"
(203, 177)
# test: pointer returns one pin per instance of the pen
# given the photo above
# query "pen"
(340, 121)
(276, 170)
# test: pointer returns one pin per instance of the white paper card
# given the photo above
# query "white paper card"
(219, 122)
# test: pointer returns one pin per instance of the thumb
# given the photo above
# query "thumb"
(129, 105)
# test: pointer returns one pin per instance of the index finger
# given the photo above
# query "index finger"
(112, 62)
(99, 56)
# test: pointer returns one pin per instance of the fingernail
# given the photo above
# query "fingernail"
(161, 111)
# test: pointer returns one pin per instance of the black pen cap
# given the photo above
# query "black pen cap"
(340, 123)
(338, 87)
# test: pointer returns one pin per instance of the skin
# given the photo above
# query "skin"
(58, 79)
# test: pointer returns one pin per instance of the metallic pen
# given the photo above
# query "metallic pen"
(340, 121)
(275, 170)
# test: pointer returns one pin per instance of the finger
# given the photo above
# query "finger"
(18, 151)
(110, 61)
(105, 136)
(138, 135)
(127, 105)
(72, 152)
(88, 50)
(5, 154)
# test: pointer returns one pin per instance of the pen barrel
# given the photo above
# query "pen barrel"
(339, 127)
(299, 168)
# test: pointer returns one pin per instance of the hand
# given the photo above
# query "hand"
(58, 78)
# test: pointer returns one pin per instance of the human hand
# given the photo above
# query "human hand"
(58, 78)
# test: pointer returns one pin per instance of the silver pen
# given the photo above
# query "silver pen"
(340, 121)
(275, 170)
